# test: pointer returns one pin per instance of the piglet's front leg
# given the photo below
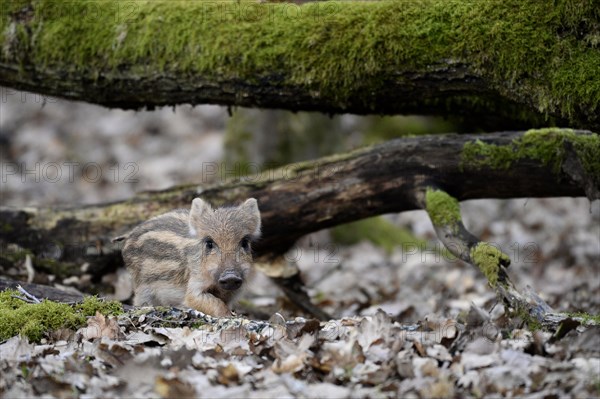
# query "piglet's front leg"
(207, 303)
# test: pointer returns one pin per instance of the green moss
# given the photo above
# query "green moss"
(338, 50)
(586, 317)
(544, 145)
(35, 320)
(319, 297)
(93, 304)
(377, 230)
(443, 209)
(489, 259)
(15, 254)
(532, 323)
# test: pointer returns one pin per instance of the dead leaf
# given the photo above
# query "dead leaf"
(291, 356)
(15, 348)
(374, 329)
(112, 353)
(173, 388)
(301, 326)
(228, 375)
(99, 326)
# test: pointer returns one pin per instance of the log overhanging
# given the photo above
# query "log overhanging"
(511, 64)
(306, 197)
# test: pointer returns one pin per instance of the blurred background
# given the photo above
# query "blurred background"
(55, 152)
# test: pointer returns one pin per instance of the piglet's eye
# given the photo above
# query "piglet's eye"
(245, 243)
(209, 244)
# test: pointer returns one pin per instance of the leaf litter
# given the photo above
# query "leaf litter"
(360, 356)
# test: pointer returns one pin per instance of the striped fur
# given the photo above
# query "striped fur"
(177, 258)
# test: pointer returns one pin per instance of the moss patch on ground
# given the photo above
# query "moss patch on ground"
(443, 209)
(35, 320)
(336, 49)
(544, 145)
(489, 259)
(379, 231)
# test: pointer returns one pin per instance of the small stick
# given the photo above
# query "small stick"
(23, 299)
(31, 298)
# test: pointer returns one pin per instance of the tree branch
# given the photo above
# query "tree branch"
(444, 212)
(462, 58)
(305, 197)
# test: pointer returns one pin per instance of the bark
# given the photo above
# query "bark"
(296, 199)
(462, 59)
(439, 91)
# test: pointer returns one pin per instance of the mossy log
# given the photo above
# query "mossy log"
(512, 64)
(306, 197)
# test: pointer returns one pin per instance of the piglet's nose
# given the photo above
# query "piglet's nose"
(230, 282)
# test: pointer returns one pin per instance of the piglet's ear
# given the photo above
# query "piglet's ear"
(198, 210)
(250, 209)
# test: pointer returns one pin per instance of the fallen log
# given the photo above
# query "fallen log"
(493, 64)
(305, 197)
(309, 196)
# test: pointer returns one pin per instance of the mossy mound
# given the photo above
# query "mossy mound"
(35, 320)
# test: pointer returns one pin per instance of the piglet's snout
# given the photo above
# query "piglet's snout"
(230, 281)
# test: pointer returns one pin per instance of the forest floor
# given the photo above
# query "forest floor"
(408, 322)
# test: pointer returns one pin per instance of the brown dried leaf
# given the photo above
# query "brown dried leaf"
(228, 375)
(114, 354)
(235, 341)
(173, 388)
(300, 326)
(99, 326)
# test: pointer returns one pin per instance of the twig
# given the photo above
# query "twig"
(23, 299)
(31, 298)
